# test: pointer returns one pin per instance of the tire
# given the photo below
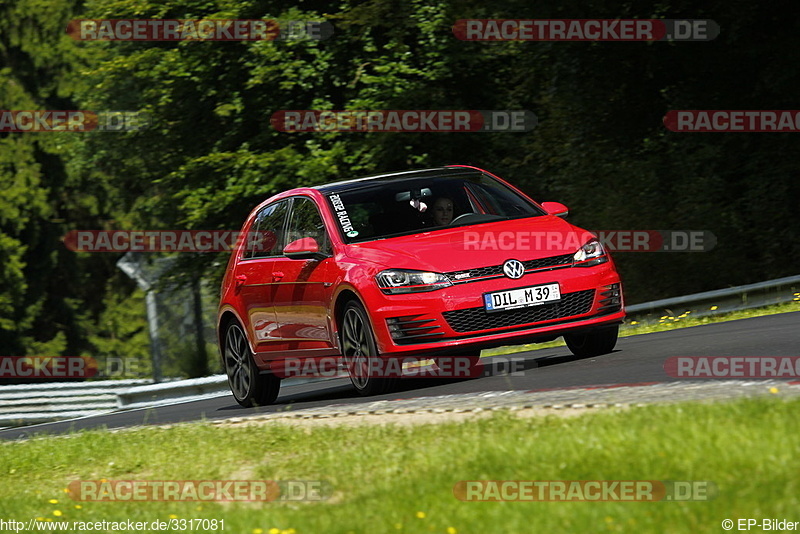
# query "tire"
(249, 387)
(592, 343)
(358, 349)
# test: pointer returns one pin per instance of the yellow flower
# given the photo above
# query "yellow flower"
(289, 531)
(398, 526)
(57, 513)
(173, 516)
(274, 530)
(258, 531)
(53, 501)
(78, 506)
(40, 518)
(663, 317)
(632, 322)
(773, 390)
(66, 490)
(421, 515)
(713, 308)
(451, 530)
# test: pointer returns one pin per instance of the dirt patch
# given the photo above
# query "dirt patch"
(402, 419)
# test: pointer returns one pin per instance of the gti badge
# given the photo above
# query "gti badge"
(513, 269)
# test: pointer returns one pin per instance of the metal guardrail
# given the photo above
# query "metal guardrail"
(166, 392)
(732, 299)
(27, 404)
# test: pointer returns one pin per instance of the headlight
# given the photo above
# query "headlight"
(592, 253)
(396, 281)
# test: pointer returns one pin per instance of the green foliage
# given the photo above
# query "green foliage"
(210, 154)
(48, 296)
(120, 334)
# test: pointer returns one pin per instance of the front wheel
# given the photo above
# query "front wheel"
(361, 353)
(249, 387)
(593, 343)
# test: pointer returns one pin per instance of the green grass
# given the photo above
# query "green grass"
(384, 475)
(682, 320)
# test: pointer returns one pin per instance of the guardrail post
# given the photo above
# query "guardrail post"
(130, 265)
(155, 340)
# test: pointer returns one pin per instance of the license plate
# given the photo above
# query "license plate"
(521, 297)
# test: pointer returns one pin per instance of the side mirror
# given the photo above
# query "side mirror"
(305, 248)
(556, 208)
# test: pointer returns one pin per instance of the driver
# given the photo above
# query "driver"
(442, 211)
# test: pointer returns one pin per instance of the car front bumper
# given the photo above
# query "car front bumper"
(453, 320)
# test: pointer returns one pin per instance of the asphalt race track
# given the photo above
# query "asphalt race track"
(636, 359)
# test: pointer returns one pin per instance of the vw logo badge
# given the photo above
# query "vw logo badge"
(514, 269)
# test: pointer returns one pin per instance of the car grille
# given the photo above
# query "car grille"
(474, 319)
(497, 270)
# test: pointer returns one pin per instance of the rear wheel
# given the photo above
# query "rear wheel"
(249, 387)
(594, 342)
(360, 352)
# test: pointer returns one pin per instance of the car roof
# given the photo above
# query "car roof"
(333, 187)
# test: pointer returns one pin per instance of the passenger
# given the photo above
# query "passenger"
(442, 211)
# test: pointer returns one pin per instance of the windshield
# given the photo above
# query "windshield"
(407, 206)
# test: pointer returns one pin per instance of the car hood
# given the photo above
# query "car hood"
(471, 247)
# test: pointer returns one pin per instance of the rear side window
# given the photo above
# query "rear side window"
(267, 233)
(306, 221)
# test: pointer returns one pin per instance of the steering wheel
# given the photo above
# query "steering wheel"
(462, 217)
(476, 217)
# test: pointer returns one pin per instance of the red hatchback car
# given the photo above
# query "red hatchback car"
(423, 263)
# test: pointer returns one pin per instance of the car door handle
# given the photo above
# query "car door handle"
(277, 275)
(240, 280)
